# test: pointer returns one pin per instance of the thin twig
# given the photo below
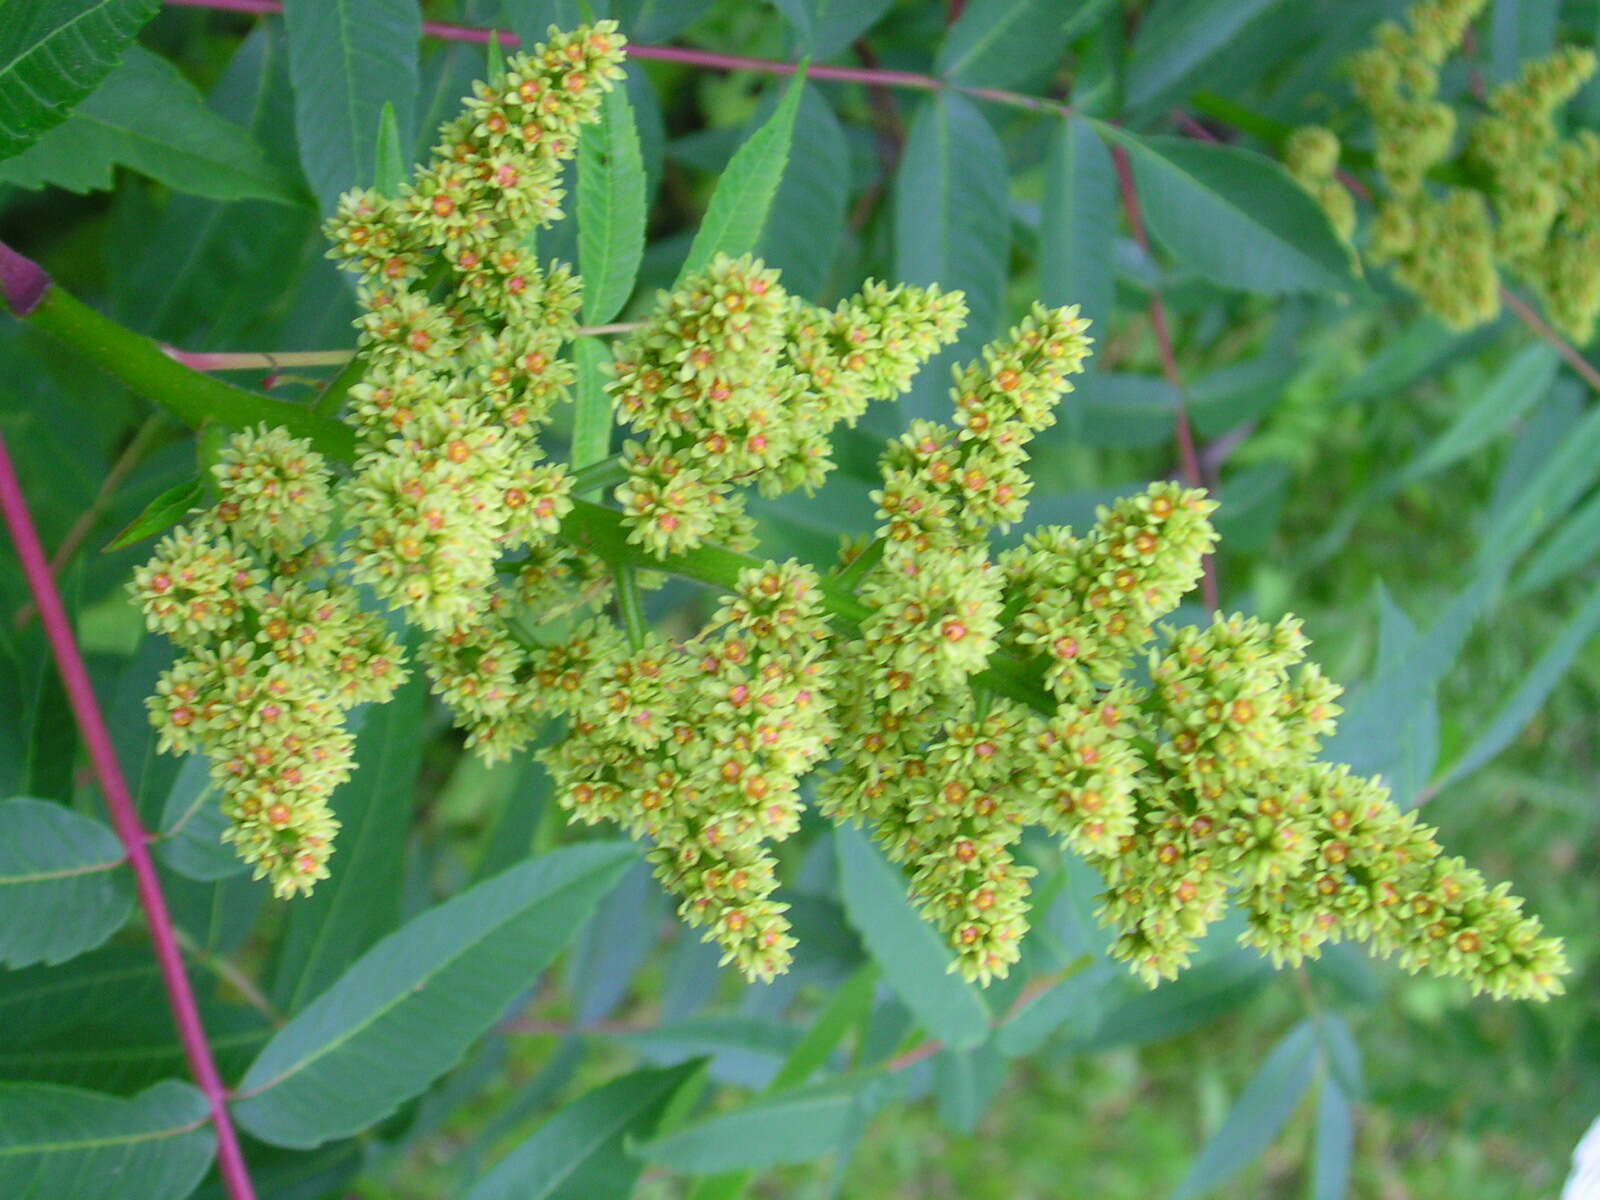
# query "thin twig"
(125, 819)
(1564, 348)
(1182, 431)
(90, 517)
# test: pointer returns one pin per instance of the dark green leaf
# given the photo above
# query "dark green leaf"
(53, 55)
(55, 1142)
(1080, 206)
(1263, 1108)
(409, 1008)
(611, 208)
(146, 116)
(613, 944)
(965, 1082)
(165, 511)
(360, 902)
(825, 27)
(915, 960)
(63, 888)
(1201, 993)
(1521, 384)
(787, 1127)
(738, 210)
(951, 227)
(998, 43)
(347, 59)
(1335, 1143)
(657, 20)
(1234, 216)
(806, 224)
(390, 170)
(580, 1152)
(1179, 38)
(1546, 495)
(1571, 547)
(1077, 1002)
(192, 824)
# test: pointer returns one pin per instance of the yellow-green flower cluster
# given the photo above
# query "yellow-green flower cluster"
(733, 382)
(700, 747)
(1539, 211)
(276, 649)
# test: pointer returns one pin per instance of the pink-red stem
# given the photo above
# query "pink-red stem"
(125, 819)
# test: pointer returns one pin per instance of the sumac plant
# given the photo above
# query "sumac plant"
(738, 656)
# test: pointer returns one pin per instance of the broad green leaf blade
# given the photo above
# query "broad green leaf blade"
(1234, 216)
(806, 224)
(952, 228)
(1573, 546)
(1080, 207)
(965, 1082)
(409, 1008)
(1524, 703)
(360, 901)
(165, 511)
(55, 53)
(848, 1008)
(611, 208)
(60, 1142)
(787, 1127)
(1263, 1108)
(825, 27)
(591, 419)
(997, 43)
(1335, 1146)
(580, 1152)
(658, 20)
(390, 170)
(146, 116)
(1202, 993)
(1179, 38)
(1521, 384)
(1077, 1002)
(739, 207)
(62, 886)
(616, 939)
(347, 58)
(915, 960)
(1552, 489)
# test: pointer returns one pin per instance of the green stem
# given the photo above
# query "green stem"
(331, 399)
(631, 605)
(194, 398)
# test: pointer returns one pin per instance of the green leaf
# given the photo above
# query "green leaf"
(146, 116)
(61, 887)
(494, 57)
(658, 20)
(1551, 490)
(1080, 206)
(347, 58)
(846, 1009)
(1202, 993)
(57, 1141)
(165, 511)
(611, 208)
(592, 417)
(1263, 1108)
(914, 958)
(1570, 548)
(787, 1127)
(1523, 704)
(580, 1152)
(824, 27)
(1078, 1001)
(739, 207)
(1180, 38)
(1521, 384)
(390, 170)
(951, 227)
(997, 43)
(806, 224)
(53, 55)
(409, 1008)
(192, 824)
(360, 901)
(1335, 1146)
(1234, 216)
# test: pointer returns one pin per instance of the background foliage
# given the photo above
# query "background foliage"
(481, 1003)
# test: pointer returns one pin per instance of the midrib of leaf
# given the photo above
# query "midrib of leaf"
(125, 1139)
(399, 998)
(43, 46)
(348, 53)
(63, 873)
(988, 37)
(125, 1053)
(189, 158)
(66, 985)
(619, 1123)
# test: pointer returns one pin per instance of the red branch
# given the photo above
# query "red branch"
(1182, 432)
(125, 818)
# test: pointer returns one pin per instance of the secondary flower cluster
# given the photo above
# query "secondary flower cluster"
(733, 381)
(275, 649)
(1539, 211)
